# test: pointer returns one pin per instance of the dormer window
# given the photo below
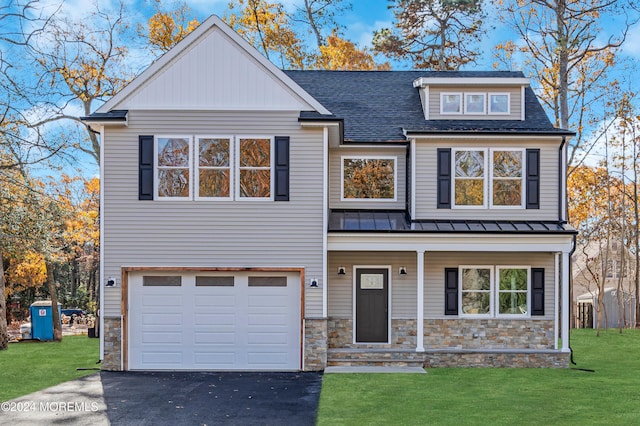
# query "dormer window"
(451, 103)
(499, 103)
(474, 103)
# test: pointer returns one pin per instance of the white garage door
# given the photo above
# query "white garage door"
(239, 321)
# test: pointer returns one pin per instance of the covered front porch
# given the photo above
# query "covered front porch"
(412, 321)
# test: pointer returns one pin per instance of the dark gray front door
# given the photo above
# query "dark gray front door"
(372, 305)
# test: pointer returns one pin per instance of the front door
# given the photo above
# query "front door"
(372, 305)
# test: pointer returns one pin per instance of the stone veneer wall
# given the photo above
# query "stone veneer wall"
(403, 334)
(513, 359)
(315, 344)
(112, 344)
(488, 334)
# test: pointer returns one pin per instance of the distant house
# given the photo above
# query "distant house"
(257, 219)
(603, 265)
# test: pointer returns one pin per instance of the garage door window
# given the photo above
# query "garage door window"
(214, 281)
(267, 281)
(161, 281)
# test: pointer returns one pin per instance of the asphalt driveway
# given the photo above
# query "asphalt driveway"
(172, 398)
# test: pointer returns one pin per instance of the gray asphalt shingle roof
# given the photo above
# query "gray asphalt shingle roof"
(377, 106)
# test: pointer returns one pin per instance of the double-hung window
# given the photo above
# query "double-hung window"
(213, 167)
(173, 167)
(500, 291)
(488, 178)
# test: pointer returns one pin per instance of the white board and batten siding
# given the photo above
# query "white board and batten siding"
(426, 180)
(205, 321)
(403, 287)
(213, 233)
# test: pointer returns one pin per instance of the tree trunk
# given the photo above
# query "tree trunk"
(57, 326)
(4, 334)
(563, 64)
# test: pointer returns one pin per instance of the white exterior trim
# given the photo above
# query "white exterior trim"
(492, 286)
(156, 171)
(566, 302)
(507, 94)
(345, 241)
(325, 221)
(458, 81)
(412, 206)
(523, 112)
(556, 295)
(460, 104)
(196, 167)
(484, 103)
(497, 292)
(420, 302)
(101, 276)
(236, 167)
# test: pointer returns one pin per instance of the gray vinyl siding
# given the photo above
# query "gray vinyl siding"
(426, 181)
(515, 107)
(436, 262)
(213, 233)
(403, 287)
(335, 177)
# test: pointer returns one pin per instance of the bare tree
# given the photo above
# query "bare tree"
(320, 17)
(433, 34)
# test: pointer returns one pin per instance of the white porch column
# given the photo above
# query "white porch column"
(420, 301)
(566, 303)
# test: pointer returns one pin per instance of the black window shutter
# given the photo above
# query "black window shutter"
(145, 171)
(444, 178)
(282, 168)
(537, 291)
(451, 291)
(533, 179)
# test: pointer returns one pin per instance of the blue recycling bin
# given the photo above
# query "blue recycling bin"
(42, 320)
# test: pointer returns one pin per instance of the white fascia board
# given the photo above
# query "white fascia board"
(419, 137)
(460, 81)
(320, 124)
(449, 242)
(203, 28)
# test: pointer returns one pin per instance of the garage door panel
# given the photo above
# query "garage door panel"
(162, 358)
(268, 338)
(216, 337)
(162, 337)
(247, 321)
(206, 359)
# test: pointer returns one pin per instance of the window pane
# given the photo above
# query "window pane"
(173, 152)
(161, 281)
(451, 103)
(469, 163)
(255, 153)
(474, 103)
(513, 279)
(476, 279)
(507, 192)
(499, 103)
(469, 192)
(214, 153)
(369, 178)
(173, 182)
(507, 163)
(214, 281)
(513, 303)
(255, 183)
(214, 183)
(476, 302)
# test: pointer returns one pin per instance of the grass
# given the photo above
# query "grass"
(470, 396)
(28, 367)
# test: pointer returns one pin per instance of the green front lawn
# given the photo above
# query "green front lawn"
(28, 367)
(488, 396)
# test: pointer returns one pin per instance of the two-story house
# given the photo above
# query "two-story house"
(257, 219)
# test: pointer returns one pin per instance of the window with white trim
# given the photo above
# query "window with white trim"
(495, 291)
(213, 167)
(488, 178)
(213, 180)
(173, 167)
(254, 168)
(474, 103)
(499, 103)
(369, 178)
(450, 103)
